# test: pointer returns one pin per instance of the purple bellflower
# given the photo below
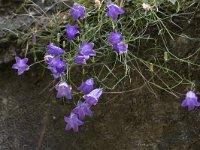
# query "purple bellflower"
(84, 53)
(86, 49)
(190, 101)
(57, 67)
(82, 110)
(71, 31)
(21, 65)
(63, 90)
(77, 11)
(81, 59)
(113, 11)
(120, 48)
(115, 38)
(54, 50)
(87, 86)
(93, 97)
(72, 122)
(48, 58)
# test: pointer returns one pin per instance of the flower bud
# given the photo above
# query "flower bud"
(146, 7)
(97, 4)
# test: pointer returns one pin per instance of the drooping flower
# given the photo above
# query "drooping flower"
(57, 67)
(71, 31)
(113, 11)
(190, 101)
(87, 86)
(82, 110)
(63, 90)
(72, 122)
(115, 38)
(120, 48)
(48, 58)
(84, 53)
(54, 50)
(93, 97)
(21, 65)
(77, 11)
(86, 49)
(81, 59)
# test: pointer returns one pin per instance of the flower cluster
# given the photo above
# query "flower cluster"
(190, 101)
(54, 58)
(82, 109)
(55, 64)
(115, 39)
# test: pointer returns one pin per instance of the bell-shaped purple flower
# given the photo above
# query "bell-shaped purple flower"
(71, 31)
(115, 38)
(113, 11)
(63, 90)
(190, 101)
(57, 67)
(48, 58)
(72, 122)
(84, 53)
(120, 48)
(87, 86)
(93, 97)
(86, 49)
(77, 11)
(21, 65)
(82, 110)
(54, 50)
(81, 59)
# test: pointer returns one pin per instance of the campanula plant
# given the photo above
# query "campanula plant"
(82, 110)
(190, 101)
(105, 40)
(84, 52)
(93, 97)
(63, 90)
(73, 122)
(21, 65)
(77, 11)
(115, 38)
(54, 50)
(87, 86)
(57, 67)
(71, 31)
(114, 11)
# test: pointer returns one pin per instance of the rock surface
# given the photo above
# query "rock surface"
(31, 119)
